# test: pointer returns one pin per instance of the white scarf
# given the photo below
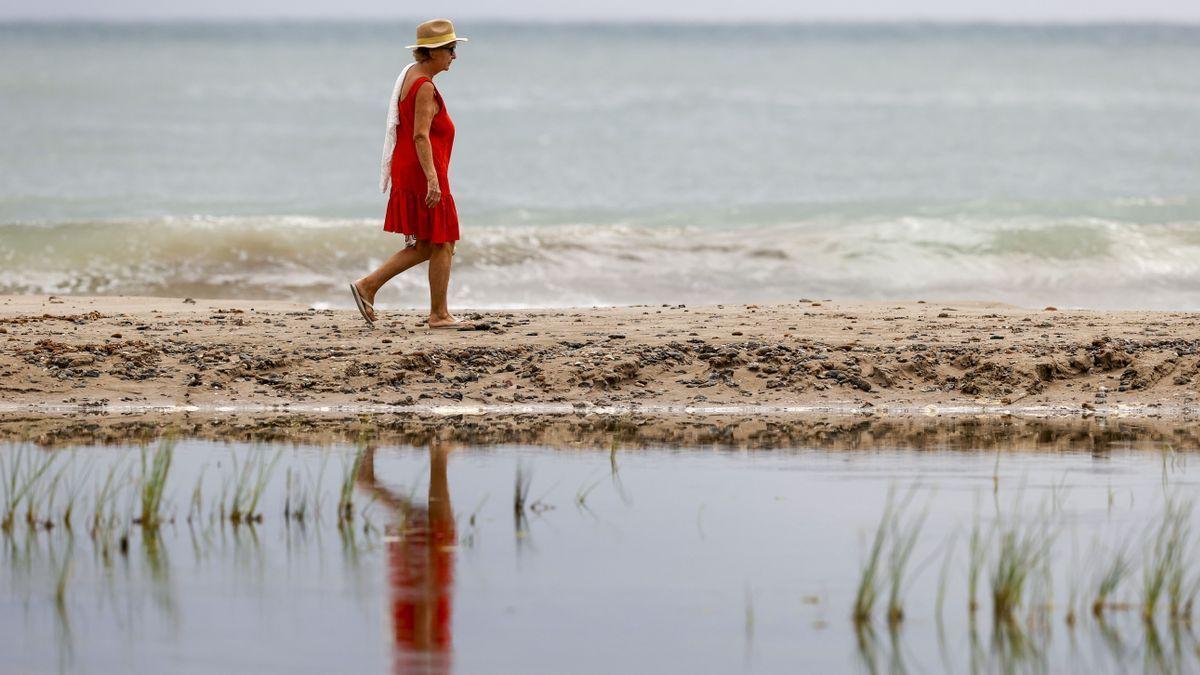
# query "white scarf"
(389, 137)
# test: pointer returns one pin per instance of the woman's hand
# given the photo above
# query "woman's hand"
(433, 194)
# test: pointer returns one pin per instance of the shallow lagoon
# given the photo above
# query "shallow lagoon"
(646, 560)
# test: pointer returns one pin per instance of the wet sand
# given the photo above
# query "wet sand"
(886, 358)
(862, 432)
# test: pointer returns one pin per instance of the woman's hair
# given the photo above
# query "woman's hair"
(421, 54)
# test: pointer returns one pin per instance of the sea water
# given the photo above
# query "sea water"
(610, 164)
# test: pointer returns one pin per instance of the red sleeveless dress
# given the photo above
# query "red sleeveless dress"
(406, 210)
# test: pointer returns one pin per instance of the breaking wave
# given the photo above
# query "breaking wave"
(1027, 260)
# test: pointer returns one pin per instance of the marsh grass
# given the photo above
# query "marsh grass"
(521, 485)
(63, 577)
(369, 527)
(350, 471)
(1021, 550)
(582, 493)
(317, 493)
(996, 475)
(892, 545)
(1058, 495)
(19, 478)
(196, 505)
(104, 520)
(154, 484)
(45, 518)
(1167, 558)
(904, 536)
(105, 498)
(868, 646)
(869, 572)
(471, 535)
(1172, 461)
(74, 489)
(977, 550)
(1074, 585)
(1182, 591)
(295, 501)
(944, 578)
(1017, 648)
(250, 479)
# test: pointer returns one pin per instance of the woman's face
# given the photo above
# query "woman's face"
(442, 56)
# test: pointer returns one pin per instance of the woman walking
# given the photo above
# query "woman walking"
(416, 162)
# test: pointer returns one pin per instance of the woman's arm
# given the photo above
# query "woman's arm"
(426, 109)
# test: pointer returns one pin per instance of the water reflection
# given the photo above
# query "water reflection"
(200, 585)
(420, 567)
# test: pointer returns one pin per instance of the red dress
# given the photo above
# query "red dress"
(406, 210)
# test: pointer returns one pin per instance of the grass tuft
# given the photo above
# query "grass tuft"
(869, 575)
(1166, 560)
(903, 542)
(346, 497)
(977, 551)
(19, 481)
(521, 487)
(1021, 550)
(250, 479)
(154, 484)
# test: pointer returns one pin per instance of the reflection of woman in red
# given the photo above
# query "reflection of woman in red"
(420, 559)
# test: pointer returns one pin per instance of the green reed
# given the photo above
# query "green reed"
(1182, 589)
(64, 575)
(196, 504)
(582, 493)
(105, 497)
(1167, 560)
(74, 491)
(977, 551)
(155, 470)
(45, 516)
(869, 582)
(318, 494)
(295, 501)
(903, 542)
(19, 480)
(350, 472)
(944, 578)
(1074, 587)
(521, 487)
(250, 480)
(1021, 549)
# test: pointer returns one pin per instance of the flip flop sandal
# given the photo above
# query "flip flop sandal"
(362, 305)
(450, 326)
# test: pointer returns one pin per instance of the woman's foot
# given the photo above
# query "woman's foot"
(446, 320)
(368, 300)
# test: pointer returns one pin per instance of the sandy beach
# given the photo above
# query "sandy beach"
(884, 358)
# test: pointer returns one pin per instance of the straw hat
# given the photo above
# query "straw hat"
(436, 33)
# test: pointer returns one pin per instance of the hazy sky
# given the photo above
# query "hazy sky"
(1004, 10)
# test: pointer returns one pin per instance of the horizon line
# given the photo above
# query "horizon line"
(626, 21)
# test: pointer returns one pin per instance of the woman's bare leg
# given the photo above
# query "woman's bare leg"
(369, 285)
(439, 281)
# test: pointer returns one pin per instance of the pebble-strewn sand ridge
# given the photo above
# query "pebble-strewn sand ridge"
(157, 351)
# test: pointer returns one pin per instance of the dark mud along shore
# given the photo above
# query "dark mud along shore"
(860, 432)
